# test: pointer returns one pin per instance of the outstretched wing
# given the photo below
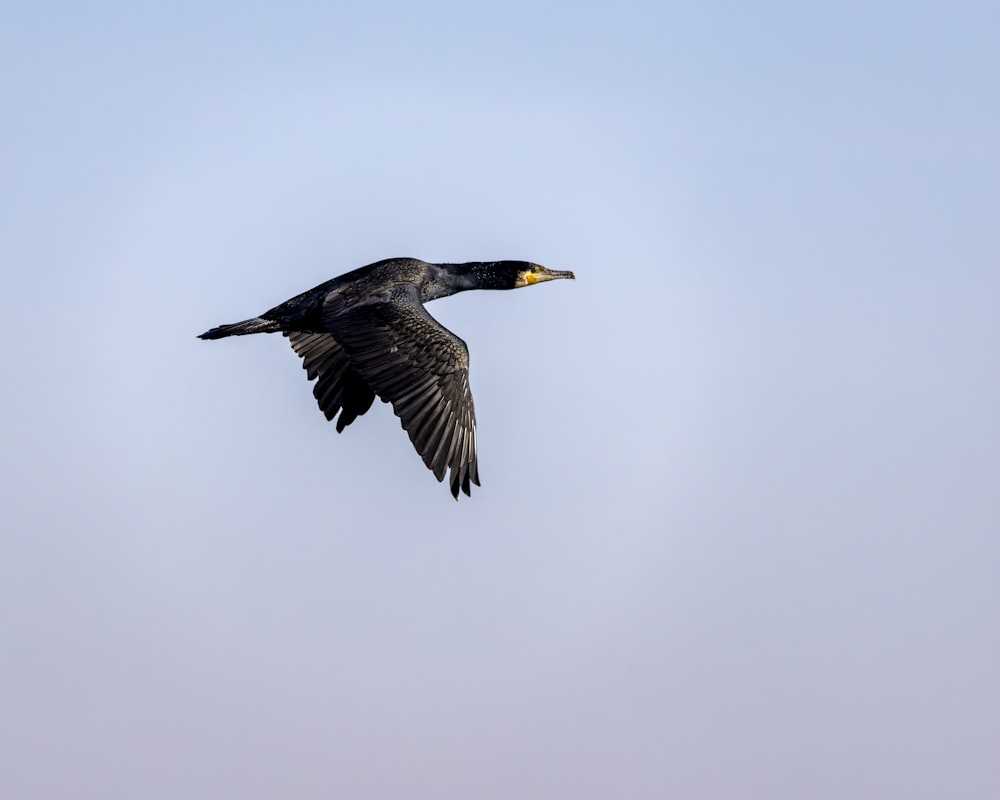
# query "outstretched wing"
(339, 388)
(410, 360)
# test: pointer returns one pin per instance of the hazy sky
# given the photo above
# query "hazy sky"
(739, 528)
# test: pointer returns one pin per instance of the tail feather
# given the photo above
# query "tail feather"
(255, 325)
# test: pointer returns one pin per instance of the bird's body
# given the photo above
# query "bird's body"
(366, 333)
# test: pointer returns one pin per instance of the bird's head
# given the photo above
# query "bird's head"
(490, 275)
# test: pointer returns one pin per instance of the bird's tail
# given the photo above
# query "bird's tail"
(255, 325)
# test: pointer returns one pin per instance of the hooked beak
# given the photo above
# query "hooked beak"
(541, 274)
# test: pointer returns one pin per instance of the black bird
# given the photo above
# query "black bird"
(367, 333)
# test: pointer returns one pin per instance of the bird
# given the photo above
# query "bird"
(366, 334)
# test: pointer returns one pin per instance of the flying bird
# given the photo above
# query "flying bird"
(366, 334)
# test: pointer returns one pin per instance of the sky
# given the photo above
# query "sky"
(739, 528)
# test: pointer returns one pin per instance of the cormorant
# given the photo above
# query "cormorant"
(367, 333)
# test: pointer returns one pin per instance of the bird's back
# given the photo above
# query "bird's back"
(374, 281)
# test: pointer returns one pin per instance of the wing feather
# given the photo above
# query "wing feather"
(339, 388)
(410, 360)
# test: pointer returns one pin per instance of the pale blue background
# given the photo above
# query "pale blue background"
(739, 530)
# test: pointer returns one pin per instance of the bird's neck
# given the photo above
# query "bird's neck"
(448, 279)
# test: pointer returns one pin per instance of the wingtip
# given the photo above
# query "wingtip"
(461, 481)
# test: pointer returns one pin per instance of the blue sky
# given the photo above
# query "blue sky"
(738, 528)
